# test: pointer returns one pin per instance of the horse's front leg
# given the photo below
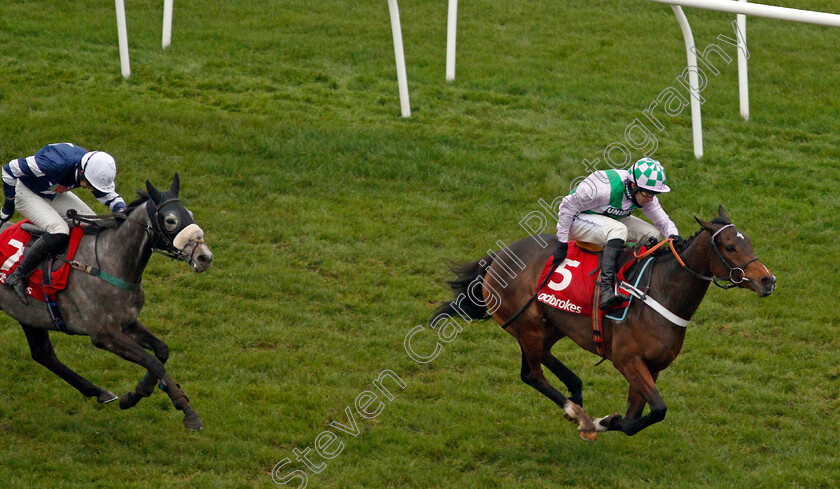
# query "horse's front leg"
(635, 408)
(642, 391)
(114, 340)
(42, 352)
(149, 341)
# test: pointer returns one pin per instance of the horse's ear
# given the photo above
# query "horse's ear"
(153, 192)
(723, 214)
(705, 225)
(176, 185)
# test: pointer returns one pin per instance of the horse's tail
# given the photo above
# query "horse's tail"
(467, 290)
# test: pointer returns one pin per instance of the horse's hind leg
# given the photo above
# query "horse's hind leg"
(42, 352)
(149, 341)
(531, 373)
(569, 379)
(118, 342)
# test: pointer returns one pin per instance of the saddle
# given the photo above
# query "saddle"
(46, 280)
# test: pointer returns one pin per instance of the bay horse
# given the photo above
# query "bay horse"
(104, 296)
(639, 347)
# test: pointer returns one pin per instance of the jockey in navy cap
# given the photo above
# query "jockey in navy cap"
(38, 187)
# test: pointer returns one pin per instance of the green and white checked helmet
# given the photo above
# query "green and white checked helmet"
(650, 175)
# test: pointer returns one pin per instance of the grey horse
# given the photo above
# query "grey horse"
(103, 297)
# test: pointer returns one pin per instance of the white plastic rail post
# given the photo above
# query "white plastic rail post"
(743, 83)
(402, 80)
(761, 10)
(122, 35)
(166, 38)
(451, 25)
(693, 82)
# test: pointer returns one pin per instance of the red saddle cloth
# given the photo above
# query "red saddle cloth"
(572, 284)
(13, 241)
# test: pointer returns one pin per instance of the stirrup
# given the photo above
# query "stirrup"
(610, 303)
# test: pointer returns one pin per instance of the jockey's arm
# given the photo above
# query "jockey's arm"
(657, 215)
(590, 194)
(111, 199)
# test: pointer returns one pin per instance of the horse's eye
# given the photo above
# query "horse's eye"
(730, 248)
(170, 222)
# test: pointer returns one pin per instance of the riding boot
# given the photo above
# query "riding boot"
(609, 265)
(43, 248)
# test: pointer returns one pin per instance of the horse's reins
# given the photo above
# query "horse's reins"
(531, 300)
(154, 233)
(735, 281)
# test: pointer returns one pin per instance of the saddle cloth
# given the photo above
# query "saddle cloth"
(14, 240)
(572, 284)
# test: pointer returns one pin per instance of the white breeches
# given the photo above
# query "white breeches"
(598, 229)
(45, 213)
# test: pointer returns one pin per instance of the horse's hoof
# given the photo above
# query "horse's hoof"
(106, 396)
(191, 420)
(129, 400)
(588, 435)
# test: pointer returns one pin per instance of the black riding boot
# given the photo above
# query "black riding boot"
(47, 245)
(609, 265)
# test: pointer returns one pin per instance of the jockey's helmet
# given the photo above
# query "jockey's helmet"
(649, 174)
(100, 169)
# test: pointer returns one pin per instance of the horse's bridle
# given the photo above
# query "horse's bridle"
(163, 241)
(737, 275)
(156, 232)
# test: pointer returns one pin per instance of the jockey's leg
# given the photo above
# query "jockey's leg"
(40, 212)
(609, 266)
(68, 200)
(640, 231)
(46, 246)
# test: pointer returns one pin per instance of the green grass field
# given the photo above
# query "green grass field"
(330, 217)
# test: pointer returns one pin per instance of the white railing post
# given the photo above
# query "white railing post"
(402, 80)
(166, 38)
(122, 35)
(743, 83)
(451, 25)
(693, 82)
(761, 10)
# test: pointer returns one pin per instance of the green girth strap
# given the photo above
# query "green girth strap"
(101, 274)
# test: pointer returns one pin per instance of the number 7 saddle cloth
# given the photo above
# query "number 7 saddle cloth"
(13, 243)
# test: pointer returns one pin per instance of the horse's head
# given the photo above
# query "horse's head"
(176, 231)
(734, 258)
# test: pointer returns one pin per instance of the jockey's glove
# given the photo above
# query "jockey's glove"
(678, 242)
(560, 253)
(7, 211)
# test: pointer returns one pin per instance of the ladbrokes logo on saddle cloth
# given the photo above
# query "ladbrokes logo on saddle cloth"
(13, 241)
(572, 284)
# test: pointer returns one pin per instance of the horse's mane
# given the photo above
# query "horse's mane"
(141, 199)
(110, 222)
(717, 220)
(666, 251)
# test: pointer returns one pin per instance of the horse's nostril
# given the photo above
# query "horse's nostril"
(768, 280)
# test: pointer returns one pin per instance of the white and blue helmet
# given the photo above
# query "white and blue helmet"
(100, 170)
